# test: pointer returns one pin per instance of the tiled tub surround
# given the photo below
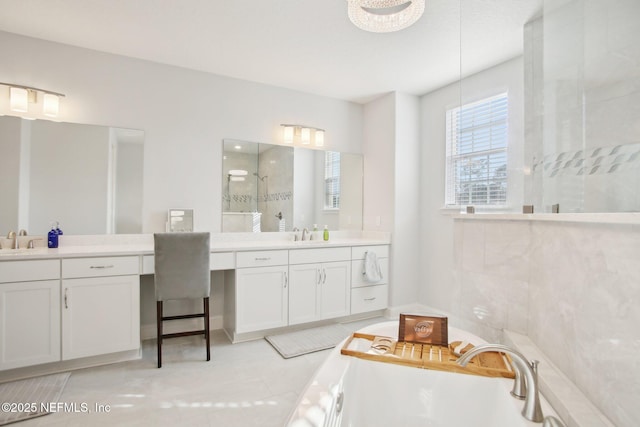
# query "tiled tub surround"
(572, 287)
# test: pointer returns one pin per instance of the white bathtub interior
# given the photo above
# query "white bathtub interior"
(348, 391)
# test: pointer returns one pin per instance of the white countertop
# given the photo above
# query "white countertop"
(122, 245)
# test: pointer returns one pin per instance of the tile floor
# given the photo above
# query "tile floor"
(245, 384)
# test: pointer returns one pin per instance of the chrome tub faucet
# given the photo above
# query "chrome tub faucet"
(532, 410)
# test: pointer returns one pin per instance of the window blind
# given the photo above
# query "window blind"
(331, 180)
(476, 155)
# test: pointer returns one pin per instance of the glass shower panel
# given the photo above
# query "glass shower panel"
(583, 106)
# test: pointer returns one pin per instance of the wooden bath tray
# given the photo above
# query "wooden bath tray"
(489, 364)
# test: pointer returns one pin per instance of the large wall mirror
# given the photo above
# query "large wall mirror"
(89, 178)
(270, 188)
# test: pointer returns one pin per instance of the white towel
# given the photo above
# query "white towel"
(371, 270)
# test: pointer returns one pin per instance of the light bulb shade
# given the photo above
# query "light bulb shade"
(384, 16)
(287, 133)
(238, 172)
(319, 138)
(50, 105)
(19, 99)
(305, 136)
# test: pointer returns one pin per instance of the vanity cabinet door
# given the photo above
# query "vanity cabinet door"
(100, 315)
(336, 289)
(262, 296)
(319, 291)
(29, 323)
(304, 293)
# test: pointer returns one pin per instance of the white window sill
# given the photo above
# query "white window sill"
(632, 218)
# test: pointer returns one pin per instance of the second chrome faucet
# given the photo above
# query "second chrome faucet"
(532, 410)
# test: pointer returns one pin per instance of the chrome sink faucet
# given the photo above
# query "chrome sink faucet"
(295, 233)
(305, 232)
(531, 410)
(12, 235)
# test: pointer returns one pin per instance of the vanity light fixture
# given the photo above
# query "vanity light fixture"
(19, 99)
(288, 133)
(384, 16)
(292, 134)
(21, 96)
(305, 136)
(319, 138)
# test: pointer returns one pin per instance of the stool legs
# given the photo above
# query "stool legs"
(206, 332)
(159, 325)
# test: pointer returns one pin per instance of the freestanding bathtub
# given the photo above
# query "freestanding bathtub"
(352, 392)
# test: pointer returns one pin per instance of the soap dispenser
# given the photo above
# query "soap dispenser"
(52, 237)
(325, 233)
(58, 229)
(314, 235)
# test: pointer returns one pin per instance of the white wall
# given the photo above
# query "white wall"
(437, 227)
(9, 172)
(185, 115)
(60, 153)
(392, 186)
(405, 252)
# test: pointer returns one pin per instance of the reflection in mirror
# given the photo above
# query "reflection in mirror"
(180, 220)
(276, 188)
(257, 187)
(89, 178)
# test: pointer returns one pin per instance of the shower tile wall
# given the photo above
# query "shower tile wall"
(582, 85)
(573, 288)
(275, 188)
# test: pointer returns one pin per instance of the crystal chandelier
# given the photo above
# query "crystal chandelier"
(384, 16)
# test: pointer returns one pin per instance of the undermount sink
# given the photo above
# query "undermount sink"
(309, 242)
(23, 251)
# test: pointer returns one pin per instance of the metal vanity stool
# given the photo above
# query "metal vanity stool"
(182, 272)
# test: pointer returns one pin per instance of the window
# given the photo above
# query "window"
(331, 180)
(477, 153)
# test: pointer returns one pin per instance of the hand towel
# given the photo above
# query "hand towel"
(371, 270)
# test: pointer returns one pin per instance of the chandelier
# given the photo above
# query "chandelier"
(384, 16)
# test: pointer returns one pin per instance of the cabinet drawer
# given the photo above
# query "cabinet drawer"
(222, 261)
(381, 251)
(369, 298)
(308, 256)
(24, 271)
(261, 258)
(98, 267)
(357, 278)
(217, 261)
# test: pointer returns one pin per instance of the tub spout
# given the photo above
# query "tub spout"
(552, 421)
(531, 410)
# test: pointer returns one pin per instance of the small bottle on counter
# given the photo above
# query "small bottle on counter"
(52, 237)
(58, 229)
(325, 234)
(315, 235)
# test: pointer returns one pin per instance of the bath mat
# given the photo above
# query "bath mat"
(297, 343)
(24, 398)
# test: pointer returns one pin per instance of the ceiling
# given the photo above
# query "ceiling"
(305, 45)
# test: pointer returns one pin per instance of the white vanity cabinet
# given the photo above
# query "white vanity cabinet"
(260, 292)
(367, 296)
(29, 313)
(319, 290)
(100, 306)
